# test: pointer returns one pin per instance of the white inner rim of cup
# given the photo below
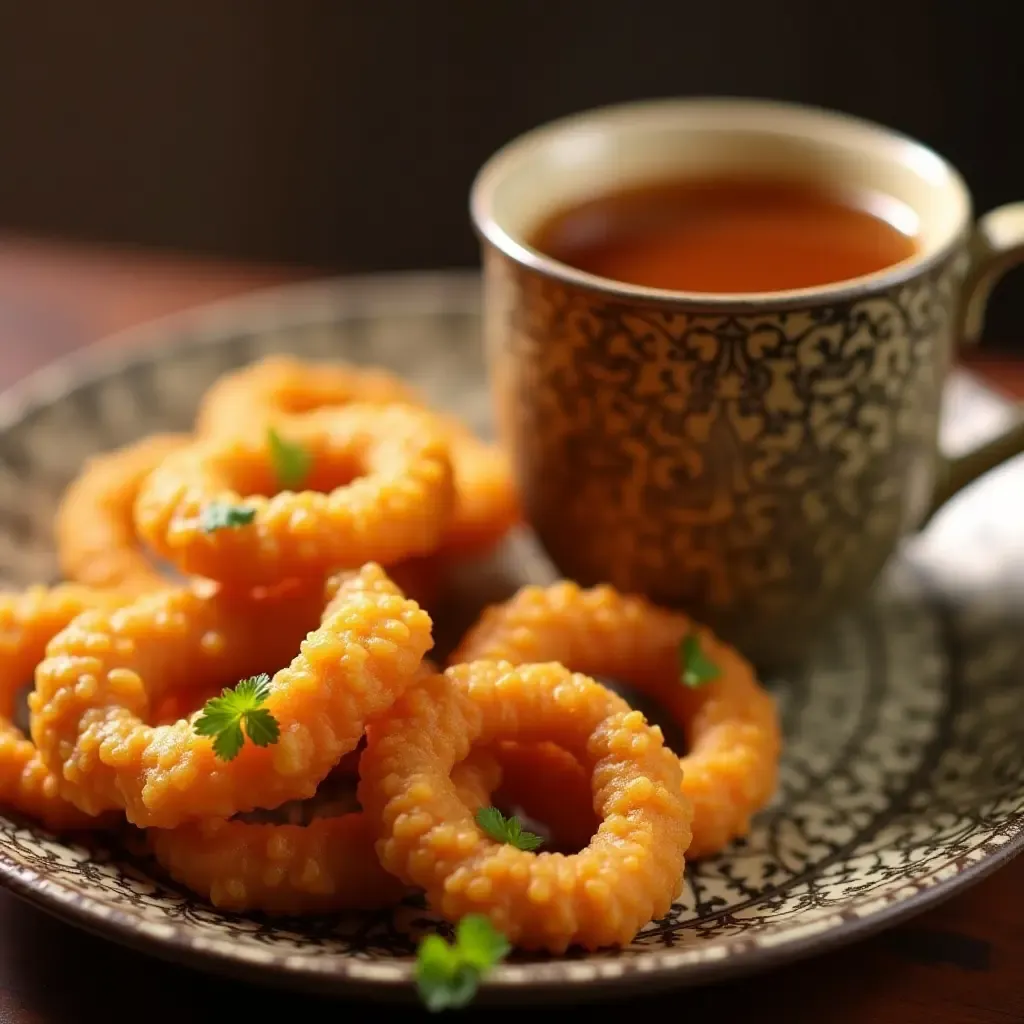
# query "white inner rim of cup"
(592, 154)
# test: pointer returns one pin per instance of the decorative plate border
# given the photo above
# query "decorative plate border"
(311, 303)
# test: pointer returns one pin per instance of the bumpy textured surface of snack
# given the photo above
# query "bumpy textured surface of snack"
(486, 500)
(97, 542)
(629, 872)
(326, 865)
(731, 724)
(102, 674)
(379, 489)
(277, 387)
(28, 621)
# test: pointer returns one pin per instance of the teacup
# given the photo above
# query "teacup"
(754, 459)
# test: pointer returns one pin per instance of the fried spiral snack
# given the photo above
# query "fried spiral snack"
(328, 865)
(96, 538)
(105, 671)
(486, 500)
(380, 490)
(632, 867)
(731, 723)
(28, 621)
(277, 387)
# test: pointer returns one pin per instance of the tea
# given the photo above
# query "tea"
(729, 235)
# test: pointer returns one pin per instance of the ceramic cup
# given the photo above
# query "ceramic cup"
(752, 458)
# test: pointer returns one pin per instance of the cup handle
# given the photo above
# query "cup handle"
(998, 245)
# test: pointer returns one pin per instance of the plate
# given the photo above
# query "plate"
(903, 775)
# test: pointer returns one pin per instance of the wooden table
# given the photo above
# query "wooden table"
(958, 964)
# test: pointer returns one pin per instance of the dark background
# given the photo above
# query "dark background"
(343, 134)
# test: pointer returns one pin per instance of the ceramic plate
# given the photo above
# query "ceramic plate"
(903, 775)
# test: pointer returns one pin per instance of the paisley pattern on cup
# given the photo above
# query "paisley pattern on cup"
(756, 468)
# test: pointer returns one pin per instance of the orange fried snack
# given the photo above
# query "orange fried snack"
(277, 387)
(104, 673)
(731, 723)
(486, 500)
(328, 865)
(96, 538)
(628, 873)
(28, 620)
(548, 784)
(379, 489)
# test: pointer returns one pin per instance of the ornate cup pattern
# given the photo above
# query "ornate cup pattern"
(757, 468)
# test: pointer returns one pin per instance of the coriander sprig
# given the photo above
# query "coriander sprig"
(224, 716)
(695, 667)
(447, 975)
(291, 461)
(507, 830)
(221, 516)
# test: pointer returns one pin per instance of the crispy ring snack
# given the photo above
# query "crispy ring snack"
(632, 867)
(105, 671)
(486, 501)
(270, 391)
(96, 538)
(380, 489)
(327, 865)
(28, 620)
(731, 723)
(549, 785)
(279, 386)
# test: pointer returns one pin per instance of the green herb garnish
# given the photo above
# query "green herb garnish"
(695, 667)
(447, 975)
(506, 830)
(220, 516)
(291, 461)
(224, 716)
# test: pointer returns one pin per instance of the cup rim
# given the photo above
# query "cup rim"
(493, 171)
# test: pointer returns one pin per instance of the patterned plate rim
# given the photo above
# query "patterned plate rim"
(417, 293)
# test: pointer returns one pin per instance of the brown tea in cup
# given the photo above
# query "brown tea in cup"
(730, 235)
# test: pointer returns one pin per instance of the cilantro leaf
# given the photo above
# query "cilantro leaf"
(695, 667)
(223, 718)
(444, 982)
(506, 830)
(262, 727)
(229, 742)
(255, 689)
(220, 516)
(447, 975)
(291, 461)
(480, 944)
(217, 716)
